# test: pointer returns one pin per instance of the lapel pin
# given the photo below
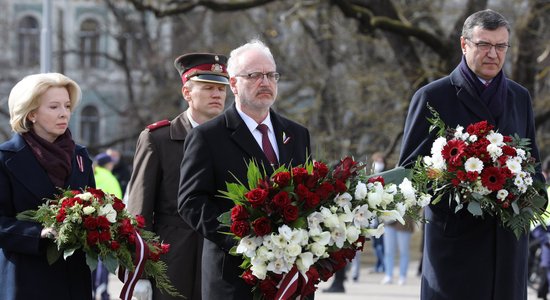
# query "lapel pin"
(286, 139)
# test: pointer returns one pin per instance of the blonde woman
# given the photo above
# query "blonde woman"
(40, 158)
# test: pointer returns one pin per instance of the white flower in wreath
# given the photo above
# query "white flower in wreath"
(495, 138)
(258, 268)
(389, 216)
(473, 164)
(248, 245)
(494, 151)
(317, 249)
(343, 200)
(424, 200)
(408, 191)
(360, 191)
(338, 236)
(85, 196)
(88, 210)
(305, 261)
(375, 232)
(330, 219)
(109, 212)
(362, 216)
(352, 233)
(314, 222)
(502, 194)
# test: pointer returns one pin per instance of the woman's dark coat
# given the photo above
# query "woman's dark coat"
(24, 271)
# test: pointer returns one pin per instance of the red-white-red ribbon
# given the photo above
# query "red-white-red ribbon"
(290, 284)
(131, 278)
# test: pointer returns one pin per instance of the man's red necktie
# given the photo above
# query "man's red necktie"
(266, 144)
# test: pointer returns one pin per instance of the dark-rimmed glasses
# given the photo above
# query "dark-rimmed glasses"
(485, 47)
(273, 76)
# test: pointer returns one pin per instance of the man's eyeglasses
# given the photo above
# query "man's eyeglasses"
(485, 47)
(273, 76)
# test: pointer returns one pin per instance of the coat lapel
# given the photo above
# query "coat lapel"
(241, 134)
(26, 169)
(284, 138)
(469, 97)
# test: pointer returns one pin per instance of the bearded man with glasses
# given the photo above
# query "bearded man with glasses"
(467, 257)
(218, 152)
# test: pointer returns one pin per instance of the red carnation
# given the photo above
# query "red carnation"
(239, 212)
(103, 222)
(164, 248)
(510, 151)
(256, 197)
(290, 213)
(492, 178)
(480, 129)
(115, 245)
(60, 217)
(340, 186)
(104, 236)
(90, 223)
(97, 193)
(262, 226)
(324, 190)
(92, 237)
(240, 228)
(140, 221)
(118, 205)
(282, 179)
(376, 179)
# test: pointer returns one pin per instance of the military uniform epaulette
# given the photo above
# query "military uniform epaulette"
(158, 125)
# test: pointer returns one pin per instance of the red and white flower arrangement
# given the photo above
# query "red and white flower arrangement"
(483, 171)
(98, 224)
(302, 224)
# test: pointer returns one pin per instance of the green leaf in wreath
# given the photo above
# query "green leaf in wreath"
(474, 208)
(395, 175)
(225, 218)
(91, 261)
(27, 215)
(300, 223)
(515, 207)
(111, 263)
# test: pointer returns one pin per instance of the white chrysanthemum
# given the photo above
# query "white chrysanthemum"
(438, 145)
(495, 138)
(85, 196)
(305, 261)
(528, 180)
(458, 131)
(472, 138)
(521, 153)
(88, 210)
(248, 245)
(109, 212)
(343, 200)
(522, 188)
(473, 164)
(513, 165)
(362, 216)
(360, 191)
(407, 190)
(494, 150)
(518, 181)
(438, 163)
(502, 194)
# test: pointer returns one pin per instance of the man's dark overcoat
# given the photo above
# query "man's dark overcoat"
(153, 193)
(215, 152)
(467, 257)
(24, 270)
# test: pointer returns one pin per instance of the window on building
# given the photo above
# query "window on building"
(89, 43)
(28, 34)
(132, 38)
(89, 125)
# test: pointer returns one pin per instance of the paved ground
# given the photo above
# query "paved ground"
(368, 287)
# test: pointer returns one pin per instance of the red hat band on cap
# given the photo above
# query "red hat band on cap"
(216, 69)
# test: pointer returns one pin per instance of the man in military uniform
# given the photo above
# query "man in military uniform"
(153, 187)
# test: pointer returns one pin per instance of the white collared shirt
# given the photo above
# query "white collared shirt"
(252, 126)
(193, 122)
